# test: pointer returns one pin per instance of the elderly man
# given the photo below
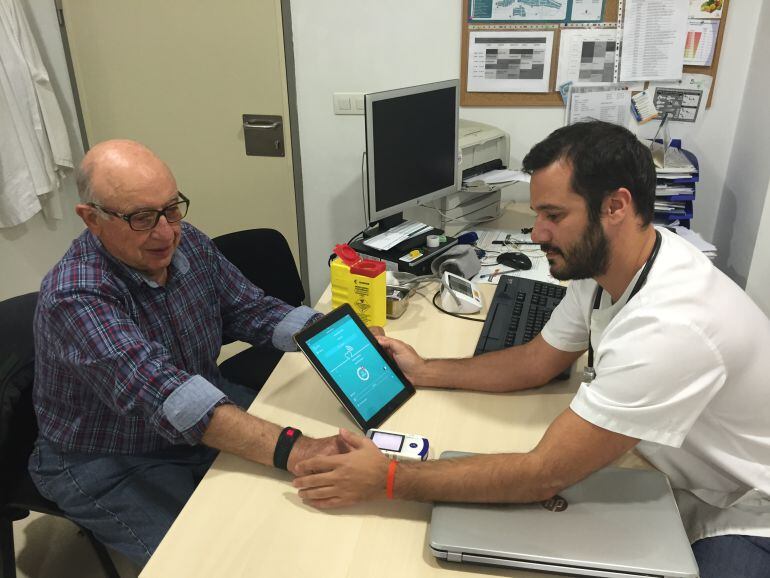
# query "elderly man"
(129, 324)
(680, 355)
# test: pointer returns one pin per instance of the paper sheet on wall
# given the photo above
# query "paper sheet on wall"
(700, 42)
(586, 10)
(587, 55)
(706, 9)
(684, 99)
(610, 103)
(520, 10)
(654, 33)
(509, 61)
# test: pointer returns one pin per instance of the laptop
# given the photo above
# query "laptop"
(617, 522)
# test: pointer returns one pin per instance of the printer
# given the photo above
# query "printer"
(482, 148)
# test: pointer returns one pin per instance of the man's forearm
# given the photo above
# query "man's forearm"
(510, 369)
(234, 431)
(570, 450)
(489, 478)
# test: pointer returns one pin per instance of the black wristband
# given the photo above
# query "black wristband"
(286, 440)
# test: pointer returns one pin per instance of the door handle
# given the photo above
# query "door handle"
(263, 135)
(262, 125)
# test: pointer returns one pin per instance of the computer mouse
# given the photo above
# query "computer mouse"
(515, 260)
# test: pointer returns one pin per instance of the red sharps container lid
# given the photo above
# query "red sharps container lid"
(347, 254)
(368, 268)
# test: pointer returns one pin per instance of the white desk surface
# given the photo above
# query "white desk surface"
(246, 519)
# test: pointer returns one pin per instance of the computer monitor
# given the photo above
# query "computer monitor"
(411, 148)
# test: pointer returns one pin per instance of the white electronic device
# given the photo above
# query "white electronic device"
(400, 446)
(459, 295)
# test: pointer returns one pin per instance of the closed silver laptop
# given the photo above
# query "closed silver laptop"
(617, 522)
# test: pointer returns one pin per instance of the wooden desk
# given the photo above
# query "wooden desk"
(246, 519)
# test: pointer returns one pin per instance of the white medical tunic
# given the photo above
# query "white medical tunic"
(34, 141)
(685, 367)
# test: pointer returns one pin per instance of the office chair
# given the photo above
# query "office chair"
(264, 258)
(18, 430)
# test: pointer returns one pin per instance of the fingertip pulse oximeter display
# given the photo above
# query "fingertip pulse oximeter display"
(400, 446)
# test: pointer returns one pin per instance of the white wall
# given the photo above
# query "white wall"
(29, 250)
(748, 172)
(370, 45)
(757, 286)
(754, 131)
(362, 46)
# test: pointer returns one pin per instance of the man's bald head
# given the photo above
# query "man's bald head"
(118, 180)
(113, 168)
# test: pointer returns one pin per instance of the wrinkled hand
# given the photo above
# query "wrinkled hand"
(306, 447)
(343, 480)
(405, 356)
(377, 330)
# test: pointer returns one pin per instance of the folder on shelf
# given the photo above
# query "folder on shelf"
(675, 186)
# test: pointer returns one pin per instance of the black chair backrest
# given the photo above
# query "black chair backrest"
(18, 427)
(265, 259)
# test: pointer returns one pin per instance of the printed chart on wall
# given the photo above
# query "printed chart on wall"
(653, 39)
(509, 61)
(587, 55)
(701, 41)
(608, 102)
(683, 99)
(519, 10)
(536, 10)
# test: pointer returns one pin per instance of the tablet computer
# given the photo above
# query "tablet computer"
(356, 368)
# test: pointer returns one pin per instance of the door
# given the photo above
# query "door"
(178, 75)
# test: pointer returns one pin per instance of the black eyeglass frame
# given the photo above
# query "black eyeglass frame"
(158, 213)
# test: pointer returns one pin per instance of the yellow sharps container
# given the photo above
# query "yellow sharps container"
(360, 282)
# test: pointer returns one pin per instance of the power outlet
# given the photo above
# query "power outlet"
(348, 103)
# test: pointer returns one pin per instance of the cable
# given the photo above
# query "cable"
(419, 280)
(354, 237)
(437, 306)
(363, 190)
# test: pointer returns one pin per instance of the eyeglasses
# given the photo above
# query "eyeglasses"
(147, 219)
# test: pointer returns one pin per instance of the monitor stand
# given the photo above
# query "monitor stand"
(383, 225)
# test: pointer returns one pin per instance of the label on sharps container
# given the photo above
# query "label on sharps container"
(362, 292)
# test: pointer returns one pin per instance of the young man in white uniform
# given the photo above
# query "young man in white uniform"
(681, 358)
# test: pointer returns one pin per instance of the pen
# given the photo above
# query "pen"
(498, 272)
(492, 274)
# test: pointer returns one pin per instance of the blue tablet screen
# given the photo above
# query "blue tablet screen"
(356, 366)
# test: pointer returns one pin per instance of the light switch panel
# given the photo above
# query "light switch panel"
(348, 103)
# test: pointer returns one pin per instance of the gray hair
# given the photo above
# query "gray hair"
(83, 180)
(86, 193)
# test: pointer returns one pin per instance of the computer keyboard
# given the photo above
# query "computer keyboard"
(519, 310)
(396, 235)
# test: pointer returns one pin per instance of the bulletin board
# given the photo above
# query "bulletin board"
(552, 97)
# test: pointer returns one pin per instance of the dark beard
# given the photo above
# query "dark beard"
(587, 258)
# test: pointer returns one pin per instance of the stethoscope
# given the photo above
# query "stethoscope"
(589, 373)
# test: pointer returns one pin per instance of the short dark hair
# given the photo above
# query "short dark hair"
(604, 157)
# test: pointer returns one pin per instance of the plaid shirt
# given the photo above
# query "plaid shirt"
(125, 366)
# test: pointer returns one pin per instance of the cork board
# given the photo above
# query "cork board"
(552, 98)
